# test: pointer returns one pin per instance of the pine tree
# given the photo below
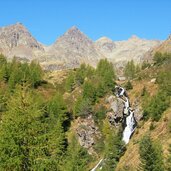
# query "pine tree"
(77, 157)
(89, 91)
(106, 74)
(81, 74)
(20, 132)
(70, 81)
(56, 139)
(113, 148)
(130, 69)
(82, 107)
(150, 155)
(168, 164)
(36, 73)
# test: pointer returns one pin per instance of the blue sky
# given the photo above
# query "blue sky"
(116, 19)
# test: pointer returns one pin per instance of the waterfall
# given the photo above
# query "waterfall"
(129, 127)
(129, 122)
(128, 115)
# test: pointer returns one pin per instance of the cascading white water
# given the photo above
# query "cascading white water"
(129, 129)
(129, 124)
(128, 116)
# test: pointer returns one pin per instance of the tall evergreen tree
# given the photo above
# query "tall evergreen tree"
(130, 69)
(77, 157)
(105, 72)
(168, 164)
(70, 81)
(113, 148)
(20, 132)
(150, 155)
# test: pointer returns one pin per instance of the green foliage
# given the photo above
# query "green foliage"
(19, 132)
(34, 73)
(70, 82)
(157, 105)
(113, 148)
(16, 72)
(150, 155)
(82, 107)
(76, 158)
(3, 69)
(160, 58)
(57, 107)
(31, 137)
(164, 81)
(100, 114)
(145, 65)
(105, 72)
(130, 69)
(89, 91)
(168, 163)
(128, 85)
(81, 74)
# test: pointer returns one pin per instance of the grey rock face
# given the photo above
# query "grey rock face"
(87, 133)
(116, 113)
(71, 49)
(138, 111)
(74, 48)
(15, 40)
(119, 51)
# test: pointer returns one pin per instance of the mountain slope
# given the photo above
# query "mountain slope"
(15, 40)
(133, 48)
(72, 49)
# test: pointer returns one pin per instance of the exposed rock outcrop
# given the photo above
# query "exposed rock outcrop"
(15, 40)
(116, 110)
(87, 133)
(71, 49)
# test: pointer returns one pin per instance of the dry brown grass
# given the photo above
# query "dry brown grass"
(160, 134)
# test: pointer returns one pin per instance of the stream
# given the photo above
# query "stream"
(128, 121)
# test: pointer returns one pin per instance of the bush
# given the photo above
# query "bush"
(157, 105)
(128, 85)
(82, 107)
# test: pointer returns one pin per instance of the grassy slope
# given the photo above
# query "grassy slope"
(130, 160)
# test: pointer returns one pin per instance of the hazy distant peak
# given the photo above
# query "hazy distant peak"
(134, 37)
(104, 39)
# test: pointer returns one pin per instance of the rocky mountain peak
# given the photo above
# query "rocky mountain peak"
(73, 30)
(104, 40)
(75, 36)
(134, 38)
(17, 35)
(105, 44)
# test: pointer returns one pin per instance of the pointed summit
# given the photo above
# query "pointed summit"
(74, 32)
(74, 36)
(16, 40)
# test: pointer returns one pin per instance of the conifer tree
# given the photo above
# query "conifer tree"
(150, 155)
(70, 81)
(168, 163)
(113, 148)
(20, 132)
(106, 74)
(89, 91)
(130, 69)
(77, 157)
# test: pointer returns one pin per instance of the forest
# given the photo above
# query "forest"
(35, 127)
